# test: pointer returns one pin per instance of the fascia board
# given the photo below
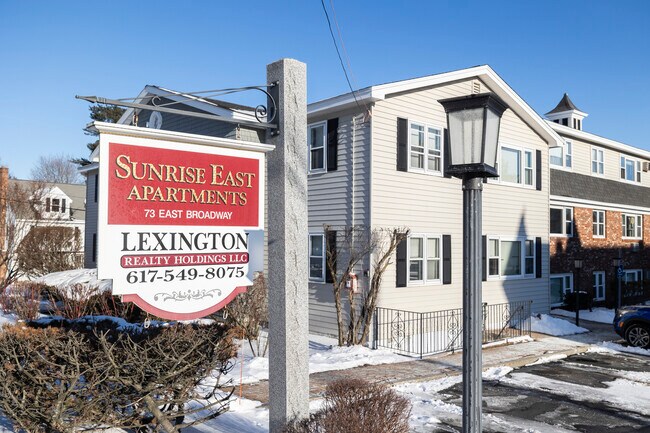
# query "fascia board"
(596, 139)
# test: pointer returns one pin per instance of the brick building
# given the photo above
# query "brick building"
(599, 211)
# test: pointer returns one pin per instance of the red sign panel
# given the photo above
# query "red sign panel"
(155, 186)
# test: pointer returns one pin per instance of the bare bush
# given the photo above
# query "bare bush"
(23, 298)
(93, 373)
(249, 313)
(357, 406)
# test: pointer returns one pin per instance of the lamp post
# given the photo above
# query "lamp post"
(473, 140)
(578, 265)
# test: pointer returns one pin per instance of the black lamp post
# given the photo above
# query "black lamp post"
(618, 268)
(578, 265)
(473, 141)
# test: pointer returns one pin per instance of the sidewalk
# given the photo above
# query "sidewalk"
(446, 364)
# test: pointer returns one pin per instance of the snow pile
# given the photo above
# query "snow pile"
(7, 319)
(545, 324)
(609, 346)
(67, 280)
(600, 315)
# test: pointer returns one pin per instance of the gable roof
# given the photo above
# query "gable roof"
(76, 193)
(565, 104)
(484, 72)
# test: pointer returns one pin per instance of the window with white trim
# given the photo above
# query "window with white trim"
(561, 221)
(425, 253)
(562, 156)
(598, 217)
(516, 166)
(317, 142)
(633, 276)
(561, 284)
(425, 148)
(597, 161)
(317, 257)
(510, 257)
(599, 286)
(630, 169)
(632, 226)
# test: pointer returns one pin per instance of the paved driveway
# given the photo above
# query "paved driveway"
(591, 392)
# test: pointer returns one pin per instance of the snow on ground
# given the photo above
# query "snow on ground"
(66, 280)
(7, 319)
(610, 346)
(324, 355)
(601, 315)
(546, 324)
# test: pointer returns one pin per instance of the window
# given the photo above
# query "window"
(630, 169)
(425, 148)
(425, 259)
(597, 161)
(510, 257)
(599, 223)
(632, 226)
(317, 140)
(560, 285)
(599, 286)
(515, 166)
(562, 221)
(633, 276)
(562, 156)
(55, 205)
(317, 257)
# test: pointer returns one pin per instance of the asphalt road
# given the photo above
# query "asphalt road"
(591, 392)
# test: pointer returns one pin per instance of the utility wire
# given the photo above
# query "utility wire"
(347, 78)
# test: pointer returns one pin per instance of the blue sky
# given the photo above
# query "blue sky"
(597, 51)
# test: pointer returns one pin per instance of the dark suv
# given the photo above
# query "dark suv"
(633, 324)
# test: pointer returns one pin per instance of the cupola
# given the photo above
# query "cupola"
(567, 114)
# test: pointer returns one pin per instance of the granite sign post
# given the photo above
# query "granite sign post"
(287, 246)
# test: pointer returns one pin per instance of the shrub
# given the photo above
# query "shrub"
(357, 406)
(64, 375)
(249, 313)
(22, 298)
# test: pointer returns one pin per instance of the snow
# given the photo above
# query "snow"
(7, 319)
(67, 280)
(600, 315)
(545, 324)
(324, 355)
(615, 347)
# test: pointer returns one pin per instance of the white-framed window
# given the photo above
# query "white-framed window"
(317, 143)
(630, 169)
(632, 226)
(510, 257)
(425, 259)
(598, 217)
(516, 166)
(633, 276)
(597, 161)
(599, 286)
(317, 257)
(562, 156)
(425, 148)
(560, 285)
(561, 221)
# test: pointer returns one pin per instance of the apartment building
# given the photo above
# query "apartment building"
(599, 211)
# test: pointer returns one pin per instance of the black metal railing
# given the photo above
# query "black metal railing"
(420, 334)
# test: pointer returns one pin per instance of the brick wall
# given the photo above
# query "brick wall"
(597, 253)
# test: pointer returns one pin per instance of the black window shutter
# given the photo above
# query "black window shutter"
(538, 169)
(402, 145)
(538, 257)
(47, 205)
(331, 252)
(446, 153)
(446, 259)
(332, 144)
(401, 264)
(96, 186)
(485, 262)
(95, 248)
(62, 205)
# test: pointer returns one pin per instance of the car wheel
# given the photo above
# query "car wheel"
(638, 335)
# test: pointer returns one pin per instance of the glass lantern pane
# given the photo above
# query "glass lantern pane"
(466, 134)
(491, 137)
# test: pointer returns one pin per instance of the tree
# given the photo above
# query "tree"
(56, 169)
(100, 113)
(249, 312)
(48, 249)
(350, 246)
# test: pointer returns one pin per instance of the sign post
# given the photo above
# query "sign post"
(181, 218)
(288, 270)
